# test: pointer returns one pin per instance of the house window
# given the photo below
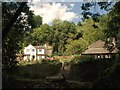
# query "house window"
(33, 50)
(40, 50)
(28, 57)
(98, 56)
(28, 50)
(40, 57)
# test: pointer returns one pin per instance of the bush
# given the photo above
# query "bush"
(88, 70)
(38, 71)
(43, 61)
(26, 74)
(86, 58)
(8, 81)
(110, 77)
(75, 59)
(50, 61)
(80, 59)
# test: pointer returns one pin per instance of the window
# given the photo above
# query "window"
(28, 57)
(28, 50)
(40, 50)
(33, 50)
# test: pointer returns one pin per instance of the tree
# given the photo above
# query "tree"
(13, 38)
(109, 78)
(113, 26)
(76, 46)
(92, 31)
(63, 30)
(37, 21)
(86, 33)
(41, 35)
(86, 7)
(9, 25)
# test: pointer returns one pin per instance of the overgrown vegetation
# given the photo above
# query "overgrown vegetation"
(38, 71)
(109, 78)
(88, 69)
(81, 58)
(66, 39)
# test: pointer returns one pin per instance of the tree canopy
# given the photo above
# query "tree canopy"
(12, 42)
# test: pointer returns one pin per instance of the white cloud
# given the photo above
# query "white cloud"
(49, 12)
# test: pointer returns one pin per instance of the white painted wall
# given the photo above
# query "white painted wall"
(40, 52)
(31, 50)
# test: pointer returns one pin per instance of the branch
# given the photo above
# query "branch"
(10, 24)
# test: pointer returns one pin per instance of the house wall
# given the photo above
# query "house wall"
(31, 53)
(40, 51)
(39, 57)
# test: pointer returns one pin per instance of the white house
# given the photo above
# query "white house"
(34, 52)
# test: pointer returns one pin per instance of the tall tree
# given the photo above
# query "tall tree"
(113, 26)
(12, 40)
(109, 78)
(9, 25)
(87, 9)
(86, 33)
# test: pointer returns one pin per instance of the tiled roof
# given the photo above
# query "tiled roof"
(98, 48)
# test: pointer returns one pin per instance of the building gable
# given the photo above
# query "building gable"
(98, 48)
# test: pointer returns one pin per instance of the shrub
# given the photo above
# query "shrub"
(80, 59)
(75, 59)
(50, 61)
(43, 61)
(110, 77)
(26, 74)
(86, 58)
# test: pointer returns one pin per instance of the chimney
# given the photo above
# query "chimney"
(113, 41)
(108, 39)
(45, 45)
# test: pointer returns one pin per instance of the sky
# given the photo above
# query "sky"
(70, 11)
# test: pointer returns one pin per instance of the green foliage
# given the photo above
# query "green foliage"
(88, 69)
(49, 61)
(76, 46)
(87, 12)
(86, 58)
(13, 41)
(118, 41)
(44, 61)
(80, 59)
(68, 38)
(37, 21)
(37, 71)
(109, 78)
(113, 26)
(41, 35)
(75, 59)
